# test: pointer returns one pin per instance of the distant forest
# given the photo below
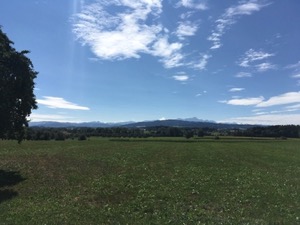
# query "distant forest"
(44, 133)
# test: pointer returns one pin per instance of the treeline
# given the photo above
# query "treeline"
(287, 131)
(43, 133)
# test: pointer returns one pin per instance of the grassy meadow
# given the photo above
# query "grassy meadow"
(150, 181)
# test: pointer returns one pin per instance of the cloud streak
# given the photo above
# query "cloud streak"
(36, 117)
(295, 66)
(201, 64)
(181, 77)
(260, 102)
(286, 98)
(266, 119)
(251, 56)
(59, 103)
(243, 74)
(193, 4)
(236, 89)
(262, 67)
(230, 17)
(244, 101)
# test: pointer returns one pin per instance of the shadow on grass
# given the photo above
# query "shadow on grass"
(9, 179)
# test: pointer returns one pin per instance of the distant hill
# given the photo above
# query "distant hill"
(83, 124)
(190, 122)
(186, 124)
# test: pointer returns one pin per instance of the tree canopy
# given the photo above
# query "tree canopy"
(17, 98)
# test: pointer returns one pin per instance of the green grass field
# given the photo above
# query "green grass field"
(150, 181)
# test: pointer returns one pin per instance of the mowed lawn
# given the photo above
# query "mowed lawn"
(150, 181)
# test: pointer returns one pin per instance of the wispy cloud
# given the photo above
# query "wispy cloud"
(186, 28)
(296, 76)
(193, 4)
(296, 107)
(36, 117)
(295, 66)
(201, 64)
(284, 110)
(262, 67)
(169, 52)
(260, 102)
(236, 89)
(59, 103)
(230, 17)
(296, 71)
(251, 56)
(243, 74)
(200, 94)
(286, 98)
(266, 119)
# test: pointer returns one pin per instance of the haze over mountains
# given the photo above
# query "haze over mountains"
(188, 122)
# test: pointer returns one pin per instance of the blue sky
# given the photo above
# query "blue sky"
(134, 60)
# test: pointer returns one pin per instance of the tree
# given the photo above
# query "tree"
(189, 134)
(16, 90)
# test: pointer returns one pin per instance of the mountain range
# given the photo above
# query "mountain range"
(188, 122)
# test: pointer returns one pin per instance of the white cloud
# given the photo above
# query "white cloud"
(181, 77)
(193, 4)
(252, 56)
(186, 15)
(260, 102)
(215, 37)
(294, 66)
(265, 66)
(286, 98)
(245, 8)
(236, 89)
(297, 107)
(260, 113)
(200, 94)
(256, 110)
(296, 76)
(121, 35)
(126, 34)
(266, 119)
(57, 102)
(244, 101)
(243, 74)
(169, 52)
(186, 28)
(201, 65)
(230, 17)
(35, 117)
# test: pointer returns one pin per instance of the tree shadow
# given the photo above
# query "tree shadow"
(9, 179)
